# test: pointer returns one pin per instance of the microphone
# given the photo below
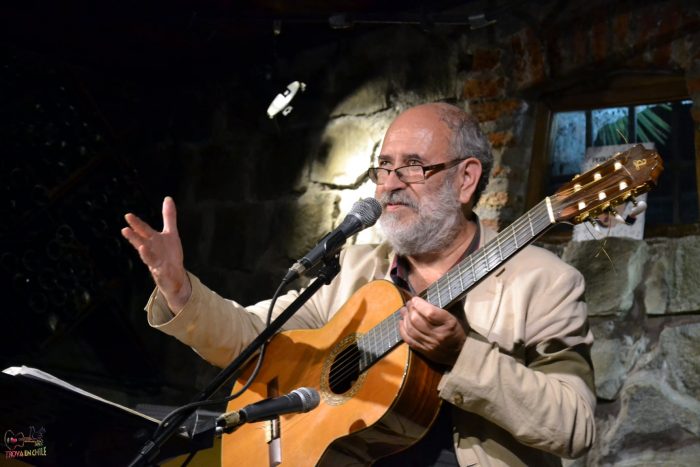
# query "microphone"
(363, 214)
(300, 400)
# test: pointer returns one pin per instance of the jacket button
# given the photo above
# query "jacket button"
(457, 399)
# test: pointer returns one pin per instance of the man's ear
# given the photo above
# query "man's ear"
(470, 176)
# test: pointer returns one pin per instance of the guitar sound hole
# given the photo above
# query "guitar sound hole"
(345, 370)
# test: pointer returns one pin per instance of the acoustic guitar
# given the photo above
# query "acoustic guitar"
(377, 396)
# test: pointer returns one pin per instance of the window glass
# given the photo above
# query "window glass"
(609, 126)
(567, 142)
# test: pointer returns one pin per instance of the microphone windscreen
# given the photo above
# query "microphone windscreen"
(367, 211)
(310, 398)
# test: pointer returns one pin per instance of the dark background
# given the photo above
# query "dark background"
(97, 102)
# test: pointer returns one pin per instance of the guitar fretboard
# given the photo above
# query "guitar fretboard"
(451, 287)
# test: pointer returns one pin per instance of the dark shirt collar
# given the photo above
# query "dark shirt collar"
(400, 267)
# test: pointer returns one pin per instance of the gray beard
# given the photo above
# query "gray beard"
(439, 220)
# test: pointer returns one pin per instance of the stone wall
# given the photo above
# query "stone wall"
(643, 301)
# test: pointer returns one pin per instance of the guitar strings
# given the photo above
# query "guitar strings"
(346, 366)
(377, 336)
(535, 221)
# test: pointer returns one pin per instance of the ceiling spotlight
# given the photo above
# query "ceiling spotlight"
(282, 100)
(479, 21)
(340, 21)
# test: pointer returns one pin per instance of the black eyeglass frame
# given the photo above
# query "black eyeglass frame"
(373, 172)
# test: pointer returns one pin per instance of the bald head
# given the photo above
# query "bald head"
(461, 130)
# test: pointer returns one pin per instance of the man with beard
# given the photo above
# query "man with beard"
(517, 379)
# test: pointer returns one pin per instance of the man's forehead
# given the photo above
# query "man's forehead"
(413, 139)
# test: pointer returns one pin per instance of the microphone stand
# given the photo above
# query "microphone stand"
(152, 447)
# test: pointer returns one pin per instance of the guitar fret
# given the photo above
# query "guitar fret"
(498, 244)
(471, 263)
(394, 328)
(497, 254)
(451, 284)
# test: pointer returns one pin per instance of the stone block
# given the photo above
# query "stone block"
(346, 149)
(659, 277)
(501, 139)
(685, 293)
(529, 60)
(610, 283)
(486, 59)
(313, 216)
(493, 110)
(500, 171)
(494, 199)
(613, 357)
(483, 88)
(371, 97)
(686, 455)
(652, 417)
(679, 347)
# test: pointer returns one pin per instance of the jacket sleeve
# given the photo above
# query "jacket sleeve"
(541, 388)
(219, 329)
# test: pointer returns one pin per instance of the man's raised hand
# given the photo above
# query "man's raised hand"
(162, 253)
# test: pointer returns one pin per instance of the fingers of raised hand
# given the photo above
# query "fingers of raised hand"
(139, 227)
(135, 239)
(169, 215)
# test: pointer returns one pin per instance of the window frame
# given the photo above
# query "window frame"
(619, 90)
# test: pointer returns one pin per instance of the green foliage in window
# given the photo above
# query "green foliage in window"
(650, 127)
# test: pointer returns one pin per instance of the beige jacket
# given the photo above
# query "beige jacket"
(522, 387)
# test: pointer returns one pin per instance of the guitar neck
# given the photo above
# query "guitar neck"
(474, 268)
(460, 279)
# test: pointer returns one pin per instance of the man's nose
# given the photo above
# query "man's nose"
(393, 182)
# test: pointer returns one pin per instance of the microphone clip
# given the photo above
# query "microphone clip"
(228, 423)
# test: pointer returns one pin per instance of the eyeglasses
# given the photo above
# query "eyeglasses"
(409, 173)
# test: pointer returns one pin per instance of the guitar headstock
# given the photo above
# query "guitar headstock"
(622, 177)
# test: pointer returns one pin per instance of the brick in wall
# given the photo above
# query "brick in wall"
(493, 110)
(486, 59)
(481, 88)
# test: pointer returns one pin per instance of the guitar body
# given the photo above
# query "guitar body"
(377, 412)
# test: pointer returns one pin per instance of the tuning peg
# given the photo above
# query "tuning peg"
(615, 217)
(639, 207)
